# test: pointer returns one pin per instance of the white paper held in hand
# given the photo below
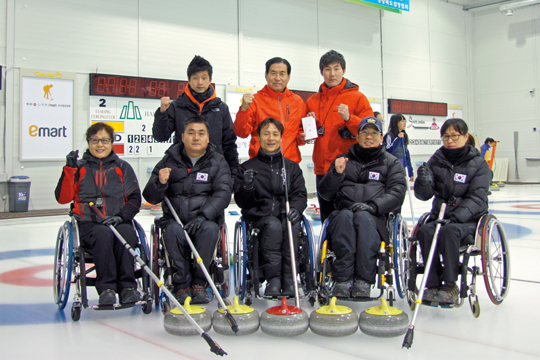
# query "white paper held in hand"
(310, 127)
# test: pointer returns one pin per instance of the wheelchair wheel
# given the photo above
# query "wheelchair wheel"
(240, 244)
(63, 262)
(145, 287)
(401, 255)
(495, 259)
(224, 254)
(308, 277)
(154, 233)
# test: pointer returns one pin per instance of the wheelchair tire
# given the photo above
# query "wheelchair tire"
(401, 255)
(240, 245)
(225, 260)
(146, 283)
(63, 263)
(154, 233)
(75, 312)
(495, 258)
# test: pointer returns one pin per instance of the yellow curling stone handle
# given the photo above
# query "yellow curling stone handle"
(384, 309)
(191, 309)
(333, 309)
(236, 308)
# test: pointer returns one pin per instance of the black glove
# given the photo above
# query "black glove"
(444, 221)
(363, 207)
(194, 224)
(424, 176)
(294, 216)
(112, 220)
(71, 159)
(249, 175)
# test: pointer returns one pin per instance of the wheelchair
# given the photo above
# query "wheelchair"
(247, 280)
(489, 243)
(73, 264)
(162, 265)
(389, 258)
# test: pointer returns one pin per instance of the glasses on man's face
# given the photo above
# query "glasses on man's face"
(370, 133)
(95, 141)
(453, 137)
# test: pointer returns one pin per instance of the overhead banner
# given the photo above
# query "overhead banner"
(389, 5)
(46, 114)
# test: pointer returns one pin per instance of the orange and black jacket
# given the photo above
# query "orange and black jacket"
(110, 179)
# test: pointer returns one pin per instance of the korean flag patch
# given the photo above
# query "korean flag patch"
(202, 177)
(374, 175)
(460, 178)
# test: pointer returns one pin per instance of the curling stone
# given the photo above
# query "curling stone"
(383, 321)
(177, 324)
(284, 320)
(246, 317)
(333, 320)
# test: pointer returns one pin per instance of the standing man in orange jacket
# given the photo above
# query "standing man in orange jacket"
(339, 107)
(275, 101)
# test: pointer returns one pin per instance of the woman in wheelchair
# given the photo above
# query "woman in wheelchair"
(103, 178)
(457, 175)
(365, 184)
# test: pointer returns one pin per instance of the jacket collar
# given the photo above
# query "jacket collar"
(439, 156)
(92, 159)
(188, 93)
(266, 90)
(345, 85)
(364, 157)
(269, 158)
(178, 153)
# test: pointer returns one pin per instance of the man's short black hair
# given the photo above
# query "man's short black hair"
(278, 60)
(198, 63)
(269, 121)
(489, 140)
(198, 120)
(331, 57)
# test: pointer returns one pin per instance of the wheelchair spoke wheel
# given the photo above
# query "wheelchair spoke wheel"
(239, 259)
(154, 233)
(63, 262)
(495, 259)
(401, 256)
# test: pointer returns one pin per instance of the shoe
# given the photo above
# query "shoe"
(448, 294)
(200, 295)
(182, 294)
(129, 296)
(361, 289)
(273, 287)
(107, 297)
(288, 287)
(342, 289)
(430, 294)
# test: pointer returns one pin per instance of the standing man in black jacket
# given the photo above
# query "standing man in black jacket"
(198, 183)
(199, 99)
(259, 192)
(365, 184)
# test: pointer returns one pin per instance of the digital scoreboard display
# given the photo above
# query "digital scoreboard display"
(417, 107)
(135, 87)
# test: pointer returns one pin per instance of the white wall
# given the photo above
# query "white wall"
(424, 54)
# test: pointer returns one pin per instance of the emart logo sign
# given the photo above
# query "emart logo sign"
(130, 112)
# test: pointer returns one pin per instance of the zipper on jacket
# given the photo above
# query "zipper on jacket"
(101, 185)
(280, 109)
(271, 172)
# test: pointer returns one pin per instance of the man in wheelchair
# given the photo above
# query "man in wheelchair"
(198, 183)
(365, 184)
(260, 193)
(457, 175)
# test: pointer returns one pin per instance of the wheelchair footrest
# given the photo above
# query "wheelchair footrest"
(436, 304)
(116, 306)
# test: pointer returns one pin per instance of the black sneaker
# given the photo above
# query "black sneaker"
(273, 287)
(342, 289)
(361, 288)
(448, 294)
(200, 295)
(182, 294)
(430, 294)
(129, 296)
(288, 286)
(107, 297)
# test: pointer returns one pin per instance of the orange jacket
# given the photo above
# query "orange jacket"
(324, 104)
(286, 107)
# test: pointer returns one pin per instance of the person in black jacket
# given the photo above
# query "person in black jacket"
(260, 193)
(198, 183)
(365, 184)
(458, 176)
(101, 177)
(199, 99)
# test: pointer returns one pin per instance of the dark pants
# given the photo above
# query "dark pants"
(326, 206)
(275, 248)
(114, 264)
(355, 241)
(451, 237)
(188, 271)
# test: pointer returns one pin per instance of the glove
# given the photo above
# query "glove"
(249, 176)
(424, 176)
(112, 220)
(363, 207)
(294, 216)
(194, 224)
(71, 159)
(444, 221)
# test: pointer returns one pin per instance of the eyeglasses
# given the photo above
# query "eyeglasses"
(371, 133)
(95, 141)
(453, 137)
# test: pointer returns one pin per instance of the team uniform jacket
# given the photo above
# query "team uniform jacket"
(201, 190)
(395, 147)
(286, 107)
(324, 104)
(110, 179)
(464, 186)
(267, 198)
(380, 182)
(215, 111)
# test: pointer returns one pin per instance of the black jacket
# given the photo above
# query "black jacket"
(464, 186)
(379, 181)
(110, 180)
(267, 198)
(216, 113)
(201, 190)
